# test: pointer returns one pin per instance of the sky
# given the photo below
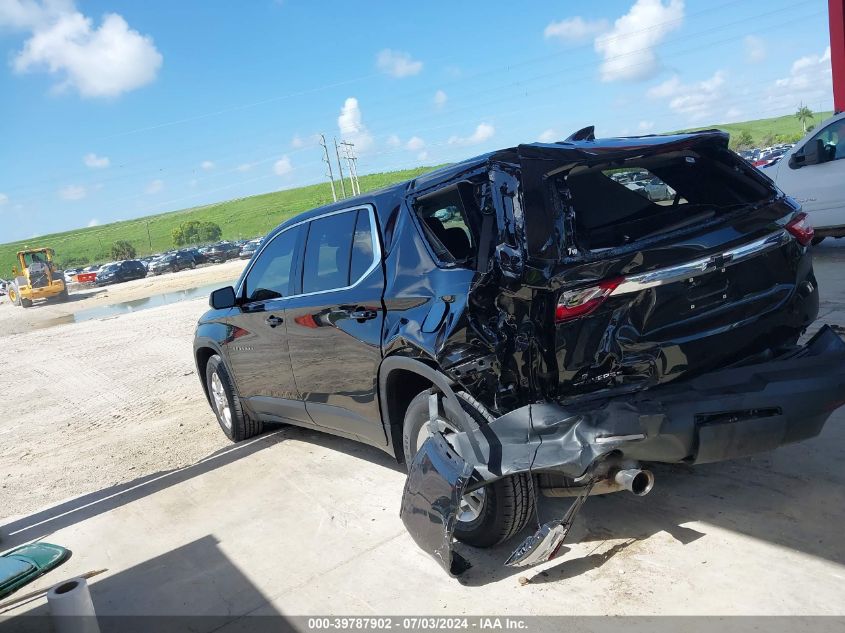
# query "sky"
(111, 110)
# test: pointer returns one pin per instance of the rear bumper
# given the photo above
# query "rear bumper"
(721, 415)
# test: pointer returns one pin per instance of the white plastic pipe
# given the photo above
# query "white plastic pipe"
(71, 608)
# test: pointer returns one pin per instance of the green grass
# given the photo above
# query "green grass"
(780, 129)
(240, 218)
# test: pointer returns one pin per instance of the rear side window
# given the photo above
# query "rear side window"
(362, 247)
(444, 220)
(270, 276)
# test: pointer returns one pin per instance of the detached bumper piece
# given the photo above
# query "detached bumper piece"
(722, 415)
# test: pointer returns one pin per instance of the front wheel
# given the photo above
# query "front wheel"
(488, 515)
(234, 421)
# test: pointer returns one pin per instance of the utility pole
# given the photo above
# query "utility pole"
(339, 169)
(328, 164)
(150, 239)
(348, 150)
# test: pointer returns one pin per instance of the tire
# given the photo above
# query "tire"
(25, 303)
(508, 503)
(64, 295)
(15, 297)
(236, 424)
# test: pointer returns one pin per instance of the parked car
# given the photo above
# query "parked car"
(813, 172)
(194, 254)
(223, 252)
(171, 263)
(121, 271)
(3, 285)
(248, 249)
(560, 334)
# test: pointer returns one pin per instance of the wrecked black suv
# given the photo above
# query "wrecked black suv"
(546, 318)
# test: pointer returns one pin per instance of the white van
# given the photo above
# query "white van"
(813, 172)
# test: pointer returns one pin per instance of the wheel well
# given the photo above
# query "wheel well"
(402, 386)
(203, 355)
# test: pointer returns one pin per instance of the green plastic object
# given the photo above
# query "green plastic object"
(22, 565)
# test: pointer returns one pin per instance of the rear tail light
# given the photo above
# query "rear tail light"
(801, 229)
(577, 303)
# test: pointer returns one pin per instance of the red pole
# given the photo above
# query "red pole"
(836, 13)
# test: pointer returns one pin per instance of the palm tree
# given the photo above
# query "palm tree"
(804, 114)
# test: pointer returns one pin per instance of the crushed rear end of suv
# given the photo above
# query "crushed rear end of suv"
(545, 319)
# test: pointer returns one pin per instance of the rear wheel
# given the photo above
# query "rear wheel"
(488, 515)
(234, 421)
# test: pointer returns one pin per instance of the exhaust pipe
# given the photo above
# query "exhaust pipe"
(639, 482)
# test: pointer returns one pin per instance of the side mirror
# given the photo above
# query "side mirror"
(222, 298)
(812, 153)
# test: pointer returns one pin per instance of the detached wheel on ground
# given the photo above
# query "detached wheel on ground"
(491, 514)
(236, 424)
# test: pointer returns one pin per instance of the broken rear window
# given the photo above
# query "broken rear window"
(625, 201)
(445, 219)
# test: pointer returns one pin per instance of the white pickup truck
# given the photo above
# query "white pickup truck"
(813, 172)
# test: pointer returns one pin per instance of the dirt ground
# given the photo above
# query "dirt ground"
(90, 404)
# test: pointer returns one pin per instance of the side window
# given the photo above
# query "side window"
(327, 252)
(834, 139)
(444, 221)
(270, 276)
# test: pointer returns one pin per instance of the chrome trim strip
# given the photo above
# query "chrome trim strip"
(698, 267)
(373, 266)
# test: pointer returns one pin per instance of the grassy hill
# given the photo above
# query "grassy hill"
(240, 218)
(782, 129)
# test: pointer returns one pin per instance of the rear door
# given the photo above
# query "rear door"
(334, 323)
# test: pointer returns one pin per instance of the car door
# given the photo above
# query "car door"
(257, 347)
(818, 187)
(334, 323)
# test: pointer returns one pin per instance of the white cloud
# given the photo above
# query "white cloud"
(93, 222)
(575, 29)
(548, 136)
(645, 126)
(696, 100)
(422, 155)
(483, 132)
(351, 126)
(4, 199)
(97, 61)
(393, 141)
(397, 63)
(755, 49)
(440, 98)
(415, 143)
(96, 162)
(628, 48)
(282, 166)
(207, 165)
(296, 142)
(73, 192)
(244, 167)
(809, 81)
(154, 186)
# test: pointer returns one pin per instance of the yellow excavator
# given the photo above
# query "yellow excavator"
(36, 277)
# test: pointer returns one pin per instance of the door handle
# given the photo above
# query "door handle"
(273, 320)
(363, 315)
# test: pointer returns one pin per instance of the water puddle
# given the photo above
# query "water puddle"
(136, 305)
